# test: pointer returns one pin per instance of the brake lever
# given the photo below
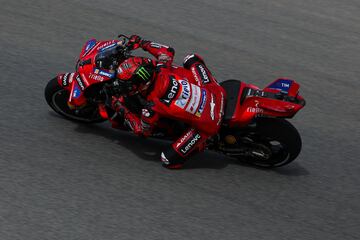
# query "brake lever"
(127, 48)
(124, 36)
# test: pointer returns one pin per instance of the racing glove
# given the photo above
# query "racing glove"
(134, 42)
(130, 120)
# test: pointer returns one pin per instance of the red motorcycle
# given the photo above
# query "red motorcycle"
(253, 127)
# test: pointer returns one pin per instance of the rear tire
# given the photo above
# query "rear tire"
(56, 97)
(277, 139)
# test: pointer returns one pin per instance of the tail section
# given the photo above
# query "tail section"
(279, 99)
(285, 86)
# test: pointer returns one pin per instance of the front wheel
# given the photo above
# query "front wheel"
(272, 143)
(57, 98)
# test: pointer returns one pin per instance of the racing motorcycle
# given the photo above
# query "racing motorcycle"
(253, 130)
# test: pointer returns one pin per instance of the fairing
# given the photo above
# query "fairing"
(278, 99)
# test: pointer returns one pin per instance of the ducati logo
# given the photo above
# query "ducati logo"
(212, 108)
(183, 139)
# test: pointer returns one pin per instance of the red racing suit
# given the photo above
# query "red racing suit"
(190, 95)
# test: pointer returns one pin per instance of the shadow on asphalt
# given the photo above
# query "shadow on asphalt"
(294, 169)
(149, 149)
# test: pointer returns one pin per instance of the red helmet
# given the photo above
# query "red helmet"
(136, 74)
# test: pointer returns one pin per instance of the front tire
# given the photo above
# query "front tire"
(56, 97)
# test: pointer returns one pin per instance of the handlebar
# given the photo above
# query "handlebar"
(124, 36)
(126, 42)
(110, 57)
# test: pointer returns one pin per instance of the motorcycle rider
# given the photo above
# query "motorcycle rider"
(199, 102)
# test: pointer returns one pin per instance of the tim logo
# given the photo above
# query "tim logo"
(184, 94)
(281, 84)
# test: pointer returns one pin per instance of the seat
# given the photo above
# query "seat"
(232, 89)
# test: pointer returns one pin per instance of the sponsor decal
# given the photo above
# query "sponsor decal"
(76, 92)
(204, 76)
(126, 65)
(254, 110)
(84, 79)
(212, 108)
(195, 99)
(143, 73)
(181, 103)
(65, 81)
(90, 44)
(202, 103)
(71, 77)
(184, 138)
(80, 82)
(184, 95)
(106, 74)
(96, 77)
(171, 92)
(221, 113)
(282, 85)
(106, 44)
(195, 76)
(164, 58)
(158, 45)
(188, 145)
(120, 70)
(108, 47)
(145, 112)
(188, 57)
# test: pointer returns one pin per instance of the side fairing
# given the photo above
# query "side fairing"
(183, 100)
(89, 45)
(75, 86)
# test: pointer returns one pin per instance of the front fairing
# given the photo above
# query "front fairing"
(93, 66)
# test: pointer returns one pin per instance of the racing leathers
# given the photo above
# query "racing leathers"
(190, 95)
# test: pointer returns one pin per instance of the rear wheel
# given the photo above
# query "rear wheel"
(57, 98)
(272, 143)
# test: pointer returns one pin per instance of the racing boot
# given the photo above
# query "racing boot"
(189, 143)
(171, 159)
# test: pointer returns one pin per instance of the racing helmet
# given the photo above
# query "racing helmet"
(136, 74)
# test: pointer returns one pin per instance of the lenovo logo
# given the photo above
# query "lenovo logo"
(190, 144)
(171, 92)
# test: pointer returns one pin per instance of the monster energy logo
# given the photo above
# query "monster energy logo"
(143, 73)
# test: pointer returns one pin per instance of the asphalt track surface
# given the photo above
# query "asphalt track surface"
(61, 180)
